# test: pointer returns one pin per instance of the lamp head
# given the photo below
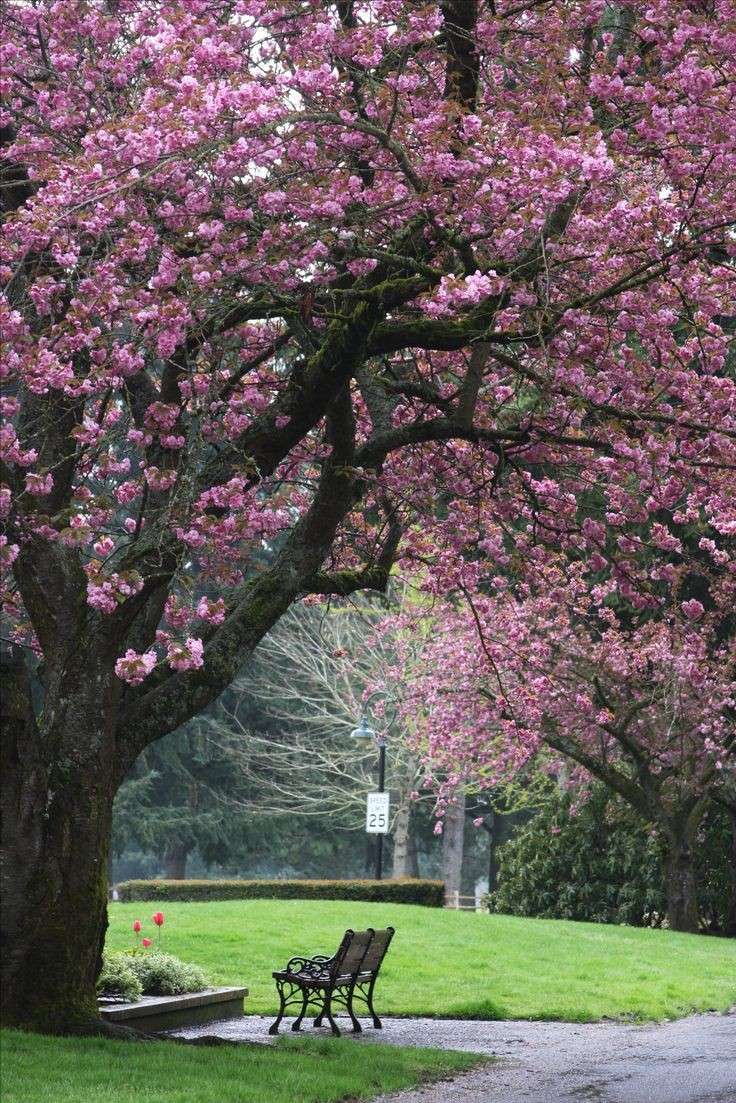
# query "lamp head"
(362, 731)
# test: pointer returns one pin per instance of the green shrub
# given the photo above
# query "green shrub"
(118, 978)
(429, 893)
(130, 974)
(601, 864)
(165, 975)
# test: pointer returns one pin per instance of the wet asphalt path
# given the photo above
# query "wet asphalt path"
(691, 1060)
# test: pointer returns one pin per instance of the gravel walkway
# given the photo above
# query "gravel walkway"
(691, 1060)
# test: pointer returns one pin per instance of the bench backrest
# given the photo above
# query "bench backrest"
(350, 953)
(361, 952)
(376, 951)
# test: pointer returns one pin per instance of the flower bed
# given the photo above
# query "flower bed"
(128, 975)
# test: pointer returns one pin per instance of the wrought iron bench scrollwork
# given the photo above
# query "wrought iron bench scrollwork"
(322, 983)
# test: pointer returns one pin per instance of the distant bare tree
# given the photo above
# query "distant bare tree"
(309, 679)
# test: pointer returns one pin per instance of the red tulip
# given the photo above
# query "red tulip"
(137, 926)
(146, 942)
(158, 919)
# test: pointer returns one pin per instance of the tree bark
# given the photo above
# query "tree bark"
(729, 922)
(405, 851)
(58, 783)
(175, 861)
(680, 877)
(54, 896)
(453, 839)
(491, 826)
(405, 862)
(412, 853)
(401, 839)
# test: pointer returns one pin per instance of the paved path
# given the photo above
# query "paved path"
(688, 1061)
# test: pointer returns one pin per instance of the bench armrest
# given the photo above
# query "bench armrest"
(314, 966)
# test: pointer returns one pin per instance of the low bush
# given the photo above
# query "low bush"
(130, 974)
(429, 893)
(118, 979)
(165, 975)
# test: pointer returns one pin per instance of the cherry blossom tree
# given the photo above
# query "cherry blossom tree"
(311, 275)
(644, 703)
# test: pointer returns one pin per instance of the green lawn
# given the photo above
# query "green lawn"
(37, 1069)
(448, 963)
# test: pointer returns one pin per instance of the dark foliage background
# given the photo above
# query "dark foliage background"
(596, 861)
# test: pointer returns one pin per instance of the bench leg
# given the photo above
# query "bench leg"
(274, 1027)
(321, 1013)
(369, 1000)
(327, 1013)
(357, 1028)
(296, 1025)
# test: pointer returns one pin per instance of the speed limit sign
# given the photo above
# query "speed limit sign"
(376, 814)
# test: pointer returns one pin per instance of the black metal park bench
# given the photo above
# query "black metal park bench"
(323, 983)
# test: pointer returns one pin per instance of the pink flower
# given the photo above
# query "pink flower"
(692, 609)
(8, 552)
(104, 546)
(186, 656)
(134, 668)
(39, 484)
(147, 942)
(211, 611)
(137, 926)
(158, 918)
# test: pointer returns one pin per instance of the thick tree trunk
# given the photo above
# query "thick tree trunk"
(405, 850)
(453, 839)
(680, 877)
(175, 861)
(491, 826)
(54, 898)
(729, 922)
(412, 854)
(57, 808)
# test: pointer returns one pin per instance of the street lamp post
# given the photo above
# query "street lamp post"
(363, 731)
(381, 789)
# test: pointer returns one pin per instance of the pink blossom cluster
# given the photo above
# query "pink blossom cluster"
(186, 655)
(134, 668)
(211, 611)
(106, 592)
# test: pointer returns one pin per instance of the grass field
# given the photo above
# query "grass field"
(38, 1069)
(448, 963)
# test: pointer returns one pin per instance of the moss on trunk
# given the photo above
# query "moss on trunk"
(54, 902)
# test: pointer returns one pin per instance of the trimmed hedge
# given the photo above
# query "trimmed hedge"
(429, 893)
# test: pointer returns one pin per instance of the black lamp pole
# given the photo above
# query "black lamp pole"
(381, 785)
(363, 731)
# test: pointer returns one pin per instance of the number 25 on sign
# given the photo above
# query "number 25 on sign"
(376, 814)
